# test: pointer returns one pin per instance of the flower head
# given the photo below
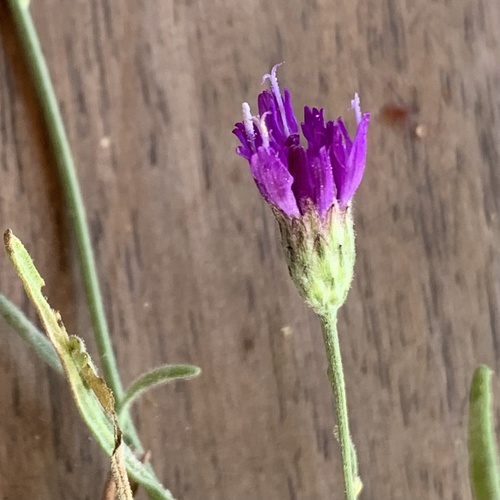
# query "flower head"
(310, 188)
(292, 178)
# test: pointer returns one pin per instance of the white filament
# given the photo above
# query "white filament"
(356, 106)
(248, 123)
(276, 91)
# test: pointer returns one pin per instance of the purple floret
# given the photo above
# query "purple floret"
(294, 178)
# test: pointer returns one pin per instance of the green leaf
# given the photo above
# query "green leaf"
(483, 455)
(14, 317)
(92, 397)
(158, 376)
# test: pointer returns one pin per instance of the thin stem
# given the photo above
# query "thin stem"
(66, 168)
(336, 377)
(69, 181)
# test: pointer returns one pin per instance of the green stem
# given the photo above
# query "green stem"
(66, 168)
(336, 377)
(69, 181)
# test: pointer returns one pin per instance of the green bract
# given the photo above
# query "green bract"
(320, 254)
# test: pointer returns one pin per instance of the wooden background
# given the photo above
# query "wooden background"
(189, 258)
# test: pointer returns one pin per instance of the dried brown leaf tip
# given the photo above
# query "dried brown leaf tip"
(123, 489)
(110, 491)
(6, 238)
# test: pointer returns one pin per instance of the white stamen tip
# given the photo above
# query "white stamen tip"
(277, 94)
(245, 108)
(272, 76)
(260, 123)
(248, 121)
(356, 106)
(263, 130)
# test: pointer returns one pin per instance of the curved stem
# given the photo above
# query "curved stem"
(352, 483)
(69, 181)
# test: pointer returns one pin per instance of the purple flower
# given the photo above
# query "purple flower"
(294, 178)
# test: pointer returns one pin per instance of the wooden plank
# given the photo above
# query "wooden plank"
(189, 257)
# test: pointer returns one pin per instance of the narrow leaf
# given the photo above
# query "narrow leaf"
(92, 397)
(158, 376)
(14, 317)
(483, 455)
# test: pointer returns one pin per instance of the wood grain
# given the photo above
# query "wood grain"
(189, 257)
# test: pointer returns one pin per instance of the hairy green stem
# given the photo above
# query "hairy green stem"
(69, 181)
(352, 483)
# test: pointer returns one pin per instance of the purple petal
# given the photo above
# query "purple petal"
(313, 128)
(274, 123)
(340, 147)
(356, 163)
(290, 116)
(245, 149)
(312, 178)
(338, 155)
(344, 134)
(274, 181)
(348, 157)
(266, 102)
(324, 187)
(303, 178)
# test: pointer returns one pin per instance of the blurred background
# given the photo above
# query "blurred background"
(189, 256)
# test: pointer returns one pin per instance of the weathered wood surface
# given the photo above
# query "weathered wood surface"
(189, 258)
